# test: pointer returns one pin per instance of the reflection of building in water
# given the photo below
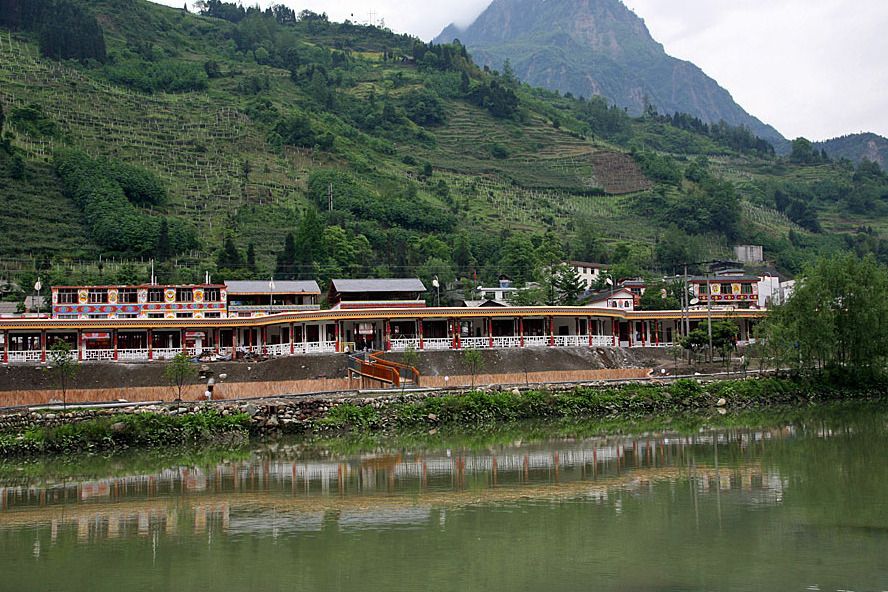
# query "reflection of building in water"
(287, 491)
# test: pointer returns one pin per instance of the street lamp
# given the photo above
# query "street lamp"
(437, 285)
(37, 287)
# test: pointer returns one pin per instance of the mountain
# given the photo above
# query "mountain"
(246, 142)
(598, 47)
(857, 147)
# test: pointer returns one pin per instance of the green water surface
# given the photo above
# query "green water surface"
(800, 505)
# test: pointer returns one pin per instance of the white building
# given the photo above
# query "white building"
(588, 272)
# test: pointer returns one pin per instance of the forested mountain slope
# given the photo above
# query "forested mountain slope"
(248, 143)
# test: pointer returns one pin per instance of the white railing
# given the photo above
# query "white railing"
(571, 341)
(90, 355)
(24, 356)
(400, 345)
(320, 347)
(475, 342)
(507, 342)
(540, 341)
(602, 341)
(278, 350)
(165, 353)
(132, 354)
(437, 343)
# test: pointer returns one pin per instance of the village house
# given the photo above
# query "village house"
(260, 298)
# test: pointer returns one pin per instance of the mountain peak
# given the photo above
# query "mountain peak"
(597, 47)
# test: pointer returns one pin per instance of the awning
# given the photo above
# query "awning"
(97, 336)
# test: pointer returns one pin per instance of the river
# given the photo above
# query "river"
(794, 502)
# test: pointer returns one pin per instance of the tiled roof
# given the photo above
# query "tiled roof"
(280, 287)
(379, 285)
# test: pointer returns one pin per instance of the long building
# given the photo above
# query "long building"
(143, 338)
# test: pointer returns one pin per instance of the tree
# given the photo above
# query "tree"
(251, 257)
(163, 250)
(473, 362)
(568, 284)
(64, 366)
(518, 259)
(287, 258)
(835, 318)
(229, 257)
(309, 240)
(180, 371)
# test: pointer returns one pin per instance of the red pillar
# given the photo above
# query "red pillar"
(644, 330)
(217, 337)
(551, 332)
(234, 343)
(458, 326)
(150, 344)
(292, 339)
(615, 332)
(419, 332)
(490, 331)
(388, 336)
(114, 341)
(182, 342)
(6, 346)
(43, 346)
(589, 330)
(521, 330)
(263, 338)
(657, 333)
(336, 336)
(79, 345)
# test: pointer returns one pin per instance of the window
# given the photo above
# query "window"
(98, 296)
(746, 288)
(184, 315)
(67, 296)
(155, 295)
(98, 316)
(127, 296)
(213, 315)
(67, 317)
(212, 295)
(702, 289)
(184, 295)
(155, 315)
(127, 315)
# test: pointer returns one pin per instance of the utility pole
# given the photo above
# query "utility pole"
(330, 197)
(709, 313)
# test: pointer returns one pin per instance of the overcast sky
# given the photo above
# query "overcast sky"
(813, 68)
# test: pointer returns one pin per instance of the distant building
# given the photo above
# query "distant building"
(589, 272)
(205, 301)
(740, 291)
(749, 253)
(621, 298)
(264, 297)
(500, 293)
(376, 293)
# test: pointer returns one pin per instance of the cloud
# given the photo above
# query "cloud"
(421, 18)
(813, 69)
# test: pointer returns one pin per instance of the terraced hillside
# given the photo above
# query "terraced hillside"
(382, 154)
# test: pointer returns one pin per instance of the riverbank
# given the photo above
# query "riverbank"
(91, 430)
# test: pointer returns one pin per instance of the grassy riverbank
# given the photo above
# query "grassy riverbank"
(125, 431)
(655, 405)
(625, 402)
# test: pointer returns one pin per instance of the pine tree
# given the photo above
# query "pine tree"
(251, 257)
(286, 260)
(309, 240)
(229, 257)
(163, 250)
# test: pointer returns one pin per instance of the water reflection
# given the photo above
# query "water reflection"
(783, 507)
(286, 488)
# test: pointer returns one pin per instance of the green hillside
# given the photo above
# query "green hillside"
(204, 142)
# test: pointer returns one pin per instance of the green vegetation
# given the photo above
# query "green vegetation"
(473, 361)
(64, 366)
(119, 432)
(834, 321)
(339, 149)
(180, 371)
(617, 404)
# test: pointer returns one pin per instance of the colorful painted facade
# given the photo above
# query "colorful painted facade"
(205, 301)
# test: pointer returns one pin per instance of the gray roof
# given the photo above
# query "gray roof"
(280, 287)
(379, 285)
(8, 308)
